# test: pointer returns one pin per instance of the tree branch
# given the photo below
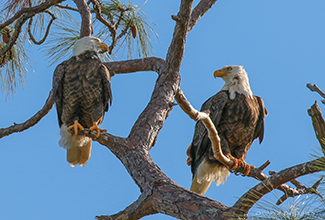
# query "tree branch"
(39, 8)
(202, 7)
(151, 120)
(67, 7)
(30, 122)
(47, 30)
(244, 204)
(319, 124)
(159, 193)
(136, 65)
(315, 88)
(86, 23)
(212, 131)
(22, 16)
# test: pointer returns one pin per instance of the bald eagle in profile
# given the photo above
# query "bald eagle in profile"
(238, 116)
(82, 94)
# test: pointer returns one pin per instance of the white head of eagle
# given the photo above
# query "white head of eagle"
(236, 80)
(89, 43)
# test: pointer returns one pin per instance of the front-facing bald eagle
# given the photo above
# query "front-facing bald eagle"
(238, 116)
(82, 94)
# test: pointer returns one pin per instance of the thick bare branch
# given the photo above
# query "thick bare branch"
(319, 124)
(243, 205)
(151, 120)
(30, 122)
(202, 7)
(86, 23)
(159, 193)
(140, 208)
(137, 65)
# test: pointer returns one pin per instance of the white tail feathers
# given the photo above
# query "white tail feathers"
(205, 174)
(78, 147)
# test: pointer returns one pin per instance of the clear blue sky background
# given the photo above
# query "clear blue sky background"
(280, 43)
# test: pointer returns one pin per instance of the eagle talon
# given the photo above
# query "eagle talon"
(76, 126)
(98, 130)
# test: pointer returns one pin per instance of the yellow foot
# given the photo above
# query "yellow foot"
(240, 165)
(76, 126)
(98, 130)
(247, 168)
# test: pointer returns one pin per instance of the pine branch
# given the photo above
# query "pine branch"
(47, 30)
(86, 23)
(21, 17)
(246, 201)
(30, 122)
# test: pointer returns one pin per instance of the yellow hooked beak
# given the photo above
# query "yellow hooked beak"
(220, 73)
(103, 47)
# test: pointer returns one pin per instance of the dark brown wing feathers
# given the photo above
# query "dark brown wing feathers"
(82, 90)
(238, 122)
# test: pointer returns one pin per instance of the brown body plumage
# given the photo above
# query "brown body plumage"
(239, 121)
(82, 93)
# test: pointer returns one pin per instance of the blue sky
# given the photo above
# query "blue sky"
(281, 45)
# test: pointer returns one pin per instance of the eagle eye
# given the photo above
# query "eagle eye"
(229, 68)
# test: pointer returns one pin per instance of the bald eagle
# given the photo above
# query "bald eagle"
(82, 94)
(238, 116)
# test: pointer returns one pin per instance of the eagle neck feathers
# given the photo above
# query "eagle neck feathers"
(238, 83)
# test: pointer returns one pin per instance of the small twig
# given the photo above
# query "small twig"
(47, 30)
(112, 28)
(301, 189)
(67, 7)
(314, 88)
(122, 10)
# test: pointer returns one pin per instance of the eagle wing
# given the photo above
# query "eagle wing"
(259, 130)
(201, 142)
(106, 84)
(57, 87)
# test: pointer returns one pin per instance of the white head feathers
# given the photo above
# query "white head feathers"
(236, 80)
(89, 44)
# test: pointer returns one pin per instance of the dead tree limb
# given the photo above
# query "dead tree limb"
(315, 88)
(244, 204)
(30, 122)
(86, 22)
(21, 17)
(319, 124)
(47, 29)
